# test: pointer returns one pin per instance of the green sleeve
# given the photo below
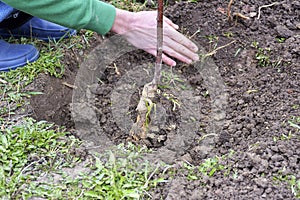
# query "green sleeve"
(93, 15)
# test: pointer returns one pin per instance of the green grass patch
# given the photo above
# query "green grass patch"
(35, 149)
(29, 149)
(130, 5)
(50, 62)
(289, 179)
(207, 168)
(12, 86)
(114, 175)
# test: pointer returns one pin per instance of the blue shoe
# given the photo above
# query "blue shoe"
(13, 56)
(38, 28)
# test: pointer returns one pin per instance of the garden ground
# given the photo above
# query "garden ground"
(245, 142)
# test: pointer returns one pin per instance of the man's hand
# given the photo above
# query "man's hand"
(140, 30)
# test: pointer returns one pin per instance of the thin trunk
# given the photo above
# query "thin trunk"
(158, 63)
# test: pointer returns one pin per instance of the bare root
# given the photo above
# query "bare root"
(138, 131)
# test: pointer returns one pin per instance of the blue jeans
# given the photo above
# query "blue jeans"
(5, 11)
(11, 18)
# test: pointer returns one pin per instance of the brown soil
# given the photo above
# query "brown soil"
(262, 96)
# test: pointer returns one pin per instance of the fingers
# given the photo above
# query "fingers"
(176, 50)
(169, 22)
(180, 39)
(177, 45)
(167, 60)
(179, 51)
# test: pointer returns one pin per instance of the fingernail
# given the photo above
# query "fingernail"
(195, 48)
(196, 57)
(188, 61)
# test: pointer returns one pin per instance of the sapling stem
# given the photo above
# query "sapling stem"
(158, 63)
(139, 129)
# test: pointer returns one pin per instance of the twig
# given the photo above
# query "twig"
(229, 9)
(265, 6)
(69, 85)
(198, 31)
(240, 15)
(117, 70)
(217, 49)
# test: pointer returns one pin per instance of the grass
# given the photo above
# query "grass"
(295, 122)
(29, 149)
(33, 149)
(170, 80)
(114, 175)
(207, 168)
(12, 91)
(12, 84)
(289, 179)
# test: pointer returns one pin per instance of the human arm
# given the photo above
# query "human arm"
(138, 28)
(94, 15)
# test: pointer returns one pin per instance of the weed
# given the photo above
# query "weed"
(255, 44)
(263, 56)
(290, 179)
(205, 94)
(210, 166)
(228, 34)
(295, 106)
(283, 137)
(193, 1)
(173, 99)
(207, 168)
(280, 39)
(213, 41)
(295, 122)
(171, 80)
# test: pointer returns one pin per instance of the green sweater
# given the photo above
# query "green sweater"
(94, 15)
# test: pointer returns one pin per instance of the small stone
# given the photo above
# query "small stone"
(276, 158)
(252, 14)
(103, 119)
(274, 148)
(268, 190)
(162, 138)
(261, 182)
(241, 101)
(154, 129)
(151, 135)
(187, 158)
(283, 31)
